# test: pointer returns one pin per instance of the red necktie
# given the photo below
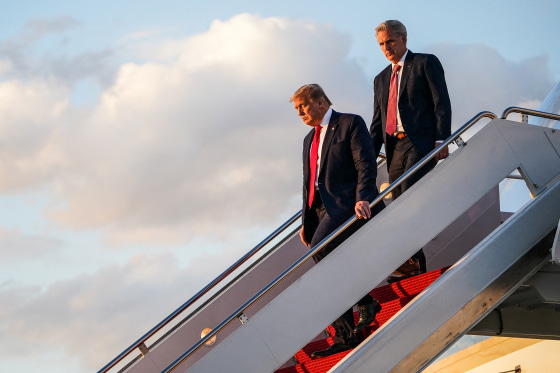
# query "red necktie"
(391, 127)
(313, 163)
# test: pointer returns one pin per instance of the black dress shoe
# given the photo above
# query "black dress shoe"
(367, 315)
(334, 349)
(408, 269)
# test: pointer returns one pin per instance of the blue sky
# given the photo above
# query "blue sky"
(132, 162)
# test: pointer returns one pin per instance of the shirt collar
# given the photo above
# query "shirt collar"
(326, 118)
(401, 61)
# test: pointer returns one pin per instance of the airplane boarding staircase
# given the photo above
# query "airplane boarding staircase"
(502, 280)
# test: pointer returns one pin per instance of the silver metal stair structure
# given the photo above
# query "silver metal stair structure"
(504, 279)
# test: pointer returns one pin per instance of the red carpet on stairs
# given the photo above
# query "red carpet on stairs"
(392, 297)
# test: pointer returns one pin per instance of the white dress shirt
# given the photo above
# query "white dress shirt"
(400, 127)
(324, 125)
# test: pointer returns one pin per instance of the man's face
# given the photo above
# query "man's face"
(311, 112)
(393, 46)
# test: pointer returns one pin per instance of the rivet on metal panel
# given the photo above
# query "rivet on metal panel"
(243, 318)
(459, 142)
(203, 334)
(143, 349)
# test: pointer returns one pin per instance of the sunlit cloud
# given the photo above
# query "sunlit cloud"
(480, 79)
(204, 139)
(40, 27)
(191, 138)
(17, 246)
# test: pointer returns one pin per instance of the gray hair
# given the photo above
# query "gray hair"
(312, 91)
(396, 26)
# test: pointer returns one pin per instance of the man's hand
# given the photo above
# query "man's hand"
(362, 210)
(444, 153)
(302, 236)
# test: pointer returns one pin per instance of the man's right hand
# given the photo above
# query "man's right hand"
(302, 236)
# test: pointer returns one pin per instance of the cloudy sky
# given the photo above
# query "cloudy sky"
(144, 146)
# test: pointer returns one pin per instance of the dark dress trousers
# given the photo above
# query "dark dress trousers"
(347, 175)
(425, 111)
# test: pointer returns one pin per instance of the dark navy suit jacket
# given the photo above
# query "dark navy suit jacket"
(348, 168)
(423, 104)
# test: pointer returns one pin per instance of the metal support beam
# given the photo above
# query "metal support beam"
(556, 246)
(465, 294)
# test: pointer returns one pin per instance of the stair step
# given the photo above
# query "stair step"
(393, 297)
(315, 366)
(387, 311)
(410, 286)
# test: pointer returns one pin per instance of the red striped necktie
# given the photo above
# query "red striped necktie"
(313, 163)
(391, 126)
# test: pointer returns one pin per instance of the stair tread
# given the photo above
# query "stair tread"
(317, 365)
(387, 311)
(393, 297)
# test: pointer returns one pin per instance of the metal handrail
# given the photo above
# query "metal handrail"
(536, 113)
(206, 289)
(453, 138)
(201, 293)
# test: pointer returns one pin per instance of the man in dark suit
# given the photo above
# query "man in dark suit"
(339, 172)
(411, 115)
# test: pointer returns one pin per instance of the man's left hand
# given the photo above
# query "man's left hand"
(362, 210)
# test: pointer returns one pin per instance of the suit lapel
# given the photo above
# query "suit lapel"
(407, 68)
(331, 128)
(385, 85)
(306, 149)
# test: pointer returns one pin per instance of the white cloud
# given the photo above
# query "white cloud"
(40, 27)
(200, 136)
(480, 79)
(5, 67)
(108, 309)
(197, 141)
(17, 246)
(30, 116)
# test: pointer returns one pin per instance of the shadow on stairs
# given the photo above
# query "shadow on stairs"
(392, 297)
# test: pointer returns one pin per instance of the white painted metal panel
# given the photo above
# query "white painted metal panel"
(422, 330)
(189, 333)
(366, 258)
